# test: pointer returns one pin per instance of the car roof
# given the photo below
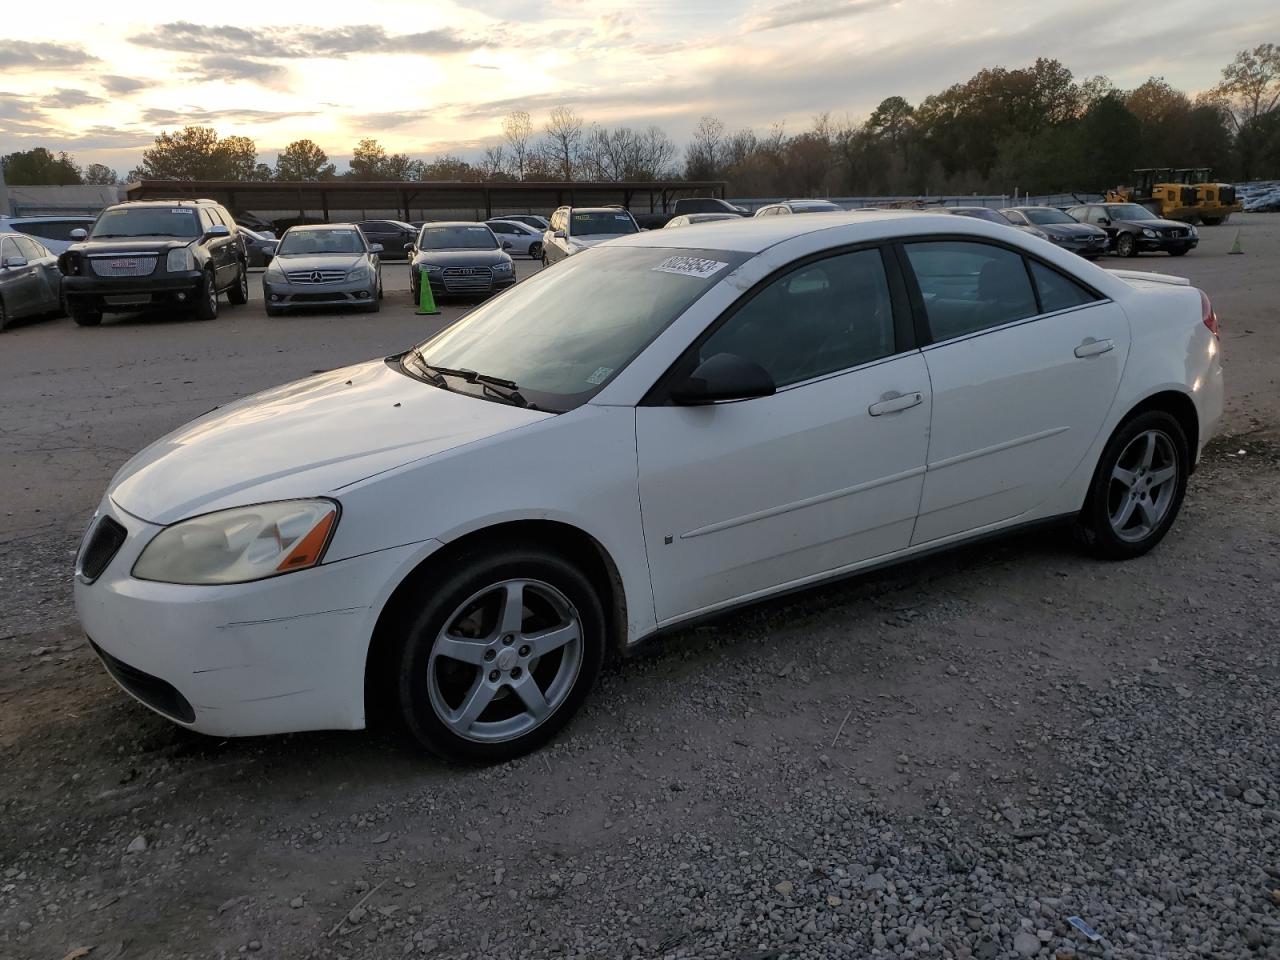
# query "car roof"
(755, 234)
(598, 209)
(455, 223)
(324, 226)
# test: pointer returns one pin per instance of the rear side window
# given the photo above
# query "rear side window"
(29, 248)
(52, 229)
(1058, 292)
(825, 316)
(968, 287)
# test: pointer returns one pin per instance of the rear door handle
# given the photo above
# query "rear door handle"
(1092, 347)
(893, 402)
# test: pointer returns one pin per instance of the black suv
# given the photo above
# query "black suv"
(148, 254)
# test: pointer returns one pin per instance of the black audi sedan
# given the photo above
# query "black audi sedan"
(460, 259)
(1134, 229)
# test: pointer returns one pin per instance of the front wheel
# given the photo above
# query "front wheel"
(1137, 488)
(1126, 245)
(207, 299)
(1213, 221)
(1178, 252)
(239, 292)
(84, 316)
(500, 655)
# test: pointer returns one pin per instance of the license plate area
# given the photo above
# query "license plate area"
(128, 299)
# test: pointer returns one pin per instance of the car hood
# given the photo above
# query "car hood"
(598, 238)
(1151, 224)
(460, 258)
(131, 245)
(1070, 230)
(304, 439)
(315, 261)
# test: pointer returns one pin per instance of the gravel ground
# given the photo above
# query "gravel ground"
(948, 759)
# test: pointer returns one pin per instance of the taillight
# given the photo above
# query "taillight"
(1208, 316)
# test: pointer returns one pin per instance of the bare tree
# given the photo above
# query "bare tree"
(1250, 84)
(563, 140)
(494, 164)
(704, 158)
(517, 131)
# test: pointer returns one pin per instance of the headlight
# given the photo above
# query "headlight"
(242, 544)
(179, 260)
(359, 273)
(429, 267)
(1194, 231)
(1041, 234)
(502, 266)
(1148, 233)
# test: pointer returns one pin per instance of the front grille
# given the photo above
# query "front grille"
(123, 266)
(467, 279)
(316, 276)
(155, 693)
(99, 547)
(1177, 232)
(1227, 195)
(317, 297)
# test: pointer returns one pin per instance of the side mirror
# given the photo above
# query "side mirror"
(79, 234)
(217, 230)
(726, 376)
(13, 263)
(559, 235)
(506, 244)
(268, 256)
(375, 248)
(408, 247)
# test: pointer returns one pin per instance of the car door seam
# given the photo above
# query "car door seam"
(746, 518)
(997, 447)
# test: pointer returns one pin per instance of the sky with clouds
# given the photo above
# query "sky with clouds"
(430, 76)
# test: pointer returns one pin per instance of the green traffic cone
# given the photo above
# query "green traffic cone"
(1235, 244)
(426, 302)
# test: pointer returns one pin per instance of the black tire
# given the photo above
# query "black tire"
(372, 307)
(379, 284)
(1094, 525)
(238, 295)
(544, 258)
(84, 316)
(1126, 245)
(1212, 221)
(206, 306)
(535, 250)
(468, 576)
(4, 317)
(1178, 252)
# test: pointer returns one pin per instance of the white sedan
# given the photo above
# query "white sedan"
(524, 239)
(661, 428)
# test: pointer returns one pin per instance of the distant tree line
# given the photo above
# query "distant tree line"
(1037, 129)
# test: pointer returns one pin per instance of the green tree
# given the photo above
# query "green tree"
(197, 153)
(368, 160)
(100, 173)
(1109, 137)
(1250, 85)
(303, 160)
(40, 167)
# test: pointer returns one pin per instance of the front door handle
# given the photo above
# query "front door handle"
(1092, 347)
(893, 401)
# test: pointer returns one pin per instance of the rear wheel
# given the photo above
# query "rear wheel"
(535, 250)
(4, 317)
(1213, 221)
(1126, 245)
(499, 654)
(207, 299)
(1137, 488)
(239, 292)
(84, 315)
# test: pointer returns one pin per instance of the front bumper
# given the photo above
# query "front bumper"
(1157, 244)
(344, 293)
(133, 293)
(274, 656)
(1084, 246)
(466, 286)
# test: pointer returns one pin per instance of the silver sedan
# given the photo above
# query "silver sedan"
(30, 284)
(323, 264)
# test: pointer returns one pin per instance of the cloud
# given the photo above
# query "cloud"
(65, 98)
(43, 56)
(795, 12)
(123, 86)
(188, 116)
(267, 43)
(388, 120)
(230, 68)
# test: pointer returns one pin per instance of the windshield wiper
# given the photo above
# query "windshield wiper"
(500, 387)
(504, 390)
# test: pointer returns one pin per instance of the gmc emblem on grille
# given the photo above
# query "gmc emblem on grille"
(124, 264)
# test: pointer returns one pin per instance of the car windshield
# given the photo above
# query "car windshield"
(305, 243)
(564, 333)
(147, 222)
(820, 207)
(1046, 215)
(981, 213)
(600, 222)
(1130, 211)
(457, 237)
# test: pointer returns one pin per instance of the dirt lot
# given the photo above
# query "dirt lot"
(948, 759)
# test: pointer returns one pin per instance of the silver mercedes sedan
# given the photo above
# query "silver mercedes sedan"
(323, 265)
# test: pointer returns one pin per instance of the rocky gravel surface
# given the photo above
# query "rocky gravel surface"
(1004, 752)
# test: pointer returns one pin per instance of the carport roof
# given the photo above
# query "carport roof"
(319, 196)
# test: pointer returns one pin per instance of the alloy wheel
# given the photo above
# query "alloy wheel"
(505, 661)
(1143, 484)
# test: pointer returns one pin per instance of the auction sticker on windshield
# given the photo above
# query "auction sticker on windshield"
(699, 267)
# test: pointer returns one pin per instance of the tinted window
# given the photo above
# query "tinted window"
(7, 249)
(457, 237)
(310, 242)
(1047, 215)
(601, 223)
(502, 228)
(53, 229)
(970, 286)
(147, 222)
(1058, 292)
(825, 316)
(29, 248)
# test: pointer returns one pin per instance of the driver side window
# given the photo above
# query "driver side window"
(819, 318)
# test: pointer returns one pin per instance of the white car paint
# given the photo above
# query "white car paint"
(560, 242)
(54, 232)
(521, 236)
(699, 508)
